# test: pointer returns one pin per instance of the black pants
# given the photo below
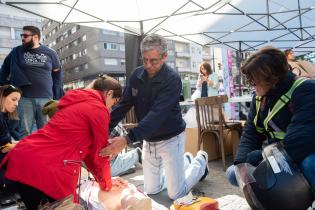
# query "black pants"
(32, 197)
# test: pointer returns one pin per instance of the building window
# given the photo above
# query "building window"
(86, 66)
(84, 38)
(181, 63)
(122, 62)
(122, 47)
(110, 46)
(75, 43)
(73, 30)
(17, 33)
(111, 61)
(109, 32)
(171, 64)
(170, 52)
(84, 52)
(5, 32)
(76, 69)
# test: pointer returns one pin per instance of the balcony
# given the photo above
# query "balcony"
(184, 69)
(183, 54)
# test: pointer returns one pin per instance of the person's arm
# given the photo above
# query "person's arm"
(5, 70)
(56, 75)
(250, 140)
(57, 84)
(4, 137)
(199, 82)
(299, 140)
(97, 165)
(162, 106)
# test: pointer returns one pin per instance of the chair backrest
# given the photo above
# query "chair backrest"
(209, 112)
(131, 116)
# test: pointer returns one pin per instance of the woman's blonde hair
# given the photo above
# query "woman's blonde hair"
(6, 90)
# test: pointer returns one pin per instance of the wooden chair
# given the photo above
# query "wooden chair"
(210, 119)
(130, 120)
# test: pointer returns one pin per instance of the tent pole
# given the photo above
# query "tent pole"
(268, 14)
(300, 20)
(132, 51)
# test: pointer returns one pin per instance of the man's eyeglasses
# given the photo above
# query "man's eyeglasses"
(26, 35)
(153, 61)
(117, 100)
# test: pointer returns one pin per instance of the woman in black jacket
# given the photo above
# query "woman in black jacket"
(9, 98)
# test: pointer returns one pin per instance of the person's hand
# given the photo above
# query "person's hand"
(118, 183)
(6, 148)
(204, 77)
(117, 144)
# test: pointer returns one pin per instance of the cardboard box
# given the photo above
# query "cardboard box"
(191, 144)
(210, 144)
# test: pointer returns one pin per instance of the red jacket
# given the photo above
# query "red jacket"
(78, 131)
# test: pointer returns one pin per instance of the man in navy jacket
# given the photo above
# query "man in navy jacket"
(154, 90)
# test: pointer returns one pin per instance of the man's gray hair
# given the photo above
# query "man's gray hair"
(154, 41)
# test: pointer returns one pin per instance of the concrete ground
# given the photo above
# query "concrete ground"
(214, 186)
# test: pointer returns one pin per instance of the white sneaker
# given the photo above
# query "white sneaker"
(205, 156)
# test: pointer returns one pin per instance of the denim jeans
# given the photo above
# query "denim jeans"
(163, 167)
(307, 167)
(30, 113)
(123, 162)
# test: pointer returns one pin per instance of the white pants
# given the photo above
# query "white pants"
(163, 167)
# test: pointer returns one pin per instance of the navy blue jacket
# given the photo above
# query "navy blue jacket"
(297, 119)
(5, 136)
(11, 73)
(156, 105)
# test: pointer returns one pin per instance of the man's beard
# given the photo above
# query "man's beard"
(28, 45)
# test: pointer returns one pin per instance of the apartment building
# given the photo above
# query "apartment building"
(86, 52)
(10, 30)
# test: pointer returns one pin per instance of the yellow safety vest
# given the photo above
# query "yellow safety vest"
(284, 99)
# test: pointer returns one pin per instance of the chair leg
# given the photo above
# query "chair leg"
(222, 152)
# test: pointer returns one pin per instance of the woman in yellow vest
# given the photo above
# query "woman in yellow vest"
(281, 111)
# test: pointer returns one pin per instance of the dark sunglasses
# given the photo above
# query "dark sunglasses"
(26, 35)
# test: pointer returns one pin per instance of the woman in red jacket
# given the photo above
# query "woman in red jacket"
(46, 164)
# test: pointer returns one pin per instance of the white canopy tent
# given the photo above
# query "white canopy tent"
(242, 25)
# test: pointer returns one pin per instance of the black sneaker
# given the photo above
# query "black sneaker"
(139, 151)
(205, 156)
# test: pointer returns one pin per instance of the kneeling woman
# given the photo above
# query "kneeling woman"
(46, 164)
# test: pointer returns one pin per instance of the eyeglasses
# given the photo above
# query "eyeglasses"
(153, 61)
(117, 100)
(26, 35)
(251, 82)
